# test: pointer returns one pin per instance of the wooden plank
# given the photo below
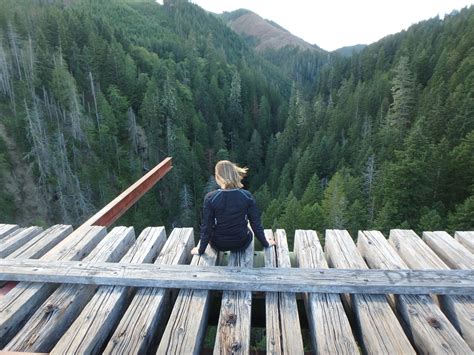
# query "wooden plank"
(283, 328)
(429, 328)
(21, 301)
(39, 245)
(380, 331)
(331, 332)
(272, 308)
(19, 353)
(138, 327)
(365, 281)
(414, 252)
(118, 206)
(51, 320)
(6, 229)
(453, 253)
(233, 330)
(42, 243)
(186, 326)
(417, 255)
(14, 241)
(466, 239)
(89, 331)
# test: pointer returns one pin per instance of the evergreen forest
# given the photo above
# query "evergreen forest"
(93, 93)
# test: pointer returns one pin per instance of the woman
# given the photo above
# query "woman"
(227, 211)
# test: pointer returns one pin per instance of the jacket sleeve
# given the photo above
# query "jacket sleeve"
(206, 225)
(255, 222)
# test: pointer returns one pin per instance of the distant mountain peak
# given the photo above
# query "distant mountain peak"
(264, 34)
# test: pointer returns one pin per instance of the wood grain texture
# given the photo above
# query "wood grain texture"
(429, 328)
(21, 301)
(418, 255)
(283, 325)
(50, 321)
(272, 307)
(331, 332)
(414, 252)
(466, 239)
(11, 242)
(365, 281)
(186, 326)
(380, 331)
(138, 327)
(453, 253)
(233, 329)
(6, 229)
(39, 245)
(89, 331)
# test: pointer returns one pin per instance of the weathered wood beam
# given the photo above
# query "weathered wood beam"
(466, 239)
(20, 353)
(42, 243)
(45, 327)
(6, 229)
(20, 302)
(39, 245)
(233, 329)
(138, 329)
(287, 311)
(186, 326)
(428, 327)
(449, 282)
(453, 253)
(331, 332)
(92, 327)
(272, 307)
(417, 255)
(15, 240)
(380, 331)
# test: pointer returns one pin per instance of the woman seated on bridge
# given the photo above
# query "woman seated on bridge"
(227, 211)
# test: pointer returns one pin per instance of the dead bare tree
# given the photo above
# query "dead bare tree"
(15, 48)
(6, 84)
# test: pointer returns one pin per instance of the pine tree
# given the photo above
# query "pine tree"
(402, 109)
(334, 203)
(313, 192)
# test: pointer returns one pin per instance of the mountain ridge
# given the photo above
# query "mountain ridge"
(262, 33)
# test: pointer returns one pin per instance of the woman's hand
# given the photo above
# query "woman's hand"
(195, 251)
(271, 242)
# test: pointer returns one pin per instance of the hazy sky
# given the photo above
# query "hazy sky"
(332, 24)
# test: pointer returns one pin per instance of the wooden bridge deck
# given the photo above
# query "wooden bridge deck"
(87, 317)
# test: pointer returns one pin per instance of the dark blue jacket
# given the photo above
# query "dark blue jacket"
(224, 220)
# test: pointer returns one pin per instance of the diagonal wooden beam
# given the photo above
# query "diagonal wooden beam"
(118, 206)
(367, 281)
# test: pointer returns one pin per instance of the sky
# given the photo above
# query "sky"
(332, 24)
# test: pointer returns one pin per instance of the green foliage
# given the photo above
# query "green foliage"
(334, 203)
(430, 220)
(463, 216)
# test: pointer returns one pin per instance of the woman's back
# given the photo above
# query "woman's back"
(227, 212)
(230, 212)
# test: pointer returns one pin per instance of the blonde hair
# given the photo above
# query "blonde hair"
(229, 174)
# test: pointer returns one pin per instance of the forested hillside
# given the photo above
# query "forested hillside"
(383, 139)
(92, 93)
(95, 92)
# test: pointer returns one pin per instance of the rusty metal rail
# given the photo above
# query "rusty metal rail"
(117, 207)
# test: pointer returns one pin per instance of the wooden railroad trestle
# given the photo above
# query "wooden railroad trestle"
(113, 293)
(88, 291)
